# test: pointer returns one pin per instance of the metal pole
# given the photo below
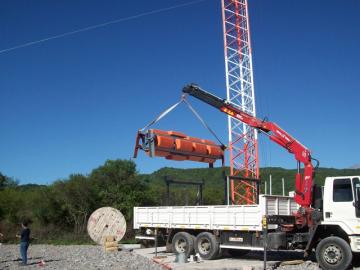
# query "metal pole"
(265, 231)
(156, 242)
(167, 193)
(228, 190)
(198, 195)
(265, 187)
(283, 186)
(257, 191)
(270, 188)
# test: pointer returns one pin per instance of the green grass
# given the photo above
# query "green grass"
(129, 241)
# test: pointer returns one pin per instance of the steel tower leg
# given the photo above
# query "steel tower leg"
(240, 92)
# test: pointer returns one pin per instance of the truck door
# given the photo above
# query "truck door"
(340, 206)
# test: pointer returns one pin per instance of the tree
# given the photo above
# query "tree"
(11, 205)
(118, 186)
(6, 181)
(76, 197)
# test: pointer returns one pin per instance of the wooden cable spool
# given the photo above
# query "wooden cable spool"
(104, 223)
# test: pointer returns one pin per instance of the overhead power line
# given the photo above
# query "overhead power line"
(100, 25)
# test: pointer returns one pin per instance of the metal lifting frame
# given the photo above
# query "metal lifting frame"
(199, 197)
(240, 93)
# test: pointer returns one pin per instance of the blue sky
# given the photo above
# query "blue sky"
(69, 104)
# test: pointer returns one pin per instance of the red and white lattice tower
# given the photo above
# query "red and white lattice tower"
(240, 92)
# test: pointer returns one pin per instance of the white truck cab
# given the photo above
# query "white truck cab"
(341, 206)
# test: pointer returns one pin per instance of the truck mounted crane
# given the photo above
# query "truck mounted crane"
(321, 219)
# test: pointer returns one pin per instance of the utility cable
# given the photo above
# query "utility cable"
(164, 113)
(100, 25)
(202, 121)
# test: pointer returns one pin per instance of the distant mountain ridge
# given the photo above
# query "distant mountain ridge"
(355, 166)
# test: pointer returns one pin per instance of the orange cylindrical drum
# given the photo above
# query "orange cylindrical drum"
(183, 145)
(207, 142)
(214, 150)
(193, 139)
(159, 132)
(200, 148)
(164, 141)
(175, 145)
(177, 134)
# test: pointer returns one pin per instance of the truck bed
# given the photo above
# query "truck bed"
(215, 217)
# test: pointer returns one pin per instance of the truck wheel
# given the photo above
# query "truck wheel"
(333, 253)
(183, 242)
(207, 246)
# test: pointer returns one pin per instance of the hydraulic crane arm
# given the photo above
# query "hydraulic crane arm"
(303, 181)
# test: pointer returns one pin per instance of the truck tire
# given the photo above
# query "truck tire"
(207, 246)
(183, 242)
(333, 253)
